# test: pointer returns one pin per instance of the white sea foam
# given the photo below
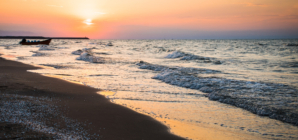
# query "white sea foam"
(88, 56)
(187, 56)
(175, 54)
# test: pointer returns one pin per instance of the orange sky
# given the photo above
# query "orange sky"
(151, 19)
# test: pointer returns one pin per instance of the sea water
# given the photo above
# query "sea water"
(171, 80)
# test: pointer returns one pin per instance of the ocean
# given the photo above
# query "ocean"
(242, 86)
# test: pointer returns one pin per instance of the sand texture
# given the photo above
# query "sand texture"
(43, 108)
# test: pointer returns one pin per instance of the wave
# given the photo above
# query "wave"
(80, 51)
(187, 56)
(56, 66)
(45, 48)
(145, 65)
(292, 44)
(39, 54)
(86, 54)
(77, 52)
(276, 101)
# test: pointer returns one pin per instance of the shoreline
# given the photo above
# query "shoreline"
(81, 103)
(173, 127)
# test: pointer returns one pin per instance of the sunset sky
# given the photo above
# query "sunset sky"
(151, 19)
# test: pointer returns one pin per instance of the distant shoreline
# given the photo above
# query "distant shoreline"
(39, 37)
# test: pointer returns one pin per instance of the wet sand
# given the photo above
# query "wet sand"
(80, 103)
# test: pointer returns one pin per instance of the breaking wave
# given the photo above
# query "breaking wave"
(187, 56)
(87, 55)
(265, 99)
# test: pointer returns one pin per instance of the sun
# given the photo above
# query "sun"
(88, 21)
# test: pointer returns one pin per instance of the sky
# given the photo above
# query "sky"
(151, 19)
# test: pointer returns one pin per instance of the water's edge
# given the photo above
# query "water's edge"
(234, 92)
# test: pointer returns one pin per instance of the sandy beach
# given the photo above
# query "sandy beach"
(92, 112)
(147, 70)
(62, 91)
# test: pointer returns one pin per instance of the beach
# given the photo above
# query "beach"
(195, 70)
(59, 109)
(194, 89)
(105, 119)
(72, 111)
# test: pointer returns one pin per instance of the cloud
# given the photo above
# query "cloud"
(256, 5)
(291, 16)
(58, 6)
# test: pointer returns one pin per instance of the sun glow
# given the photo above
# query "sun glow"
(88, 21)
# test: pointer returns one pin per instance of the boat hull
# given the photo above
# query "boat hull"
(46, 42)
